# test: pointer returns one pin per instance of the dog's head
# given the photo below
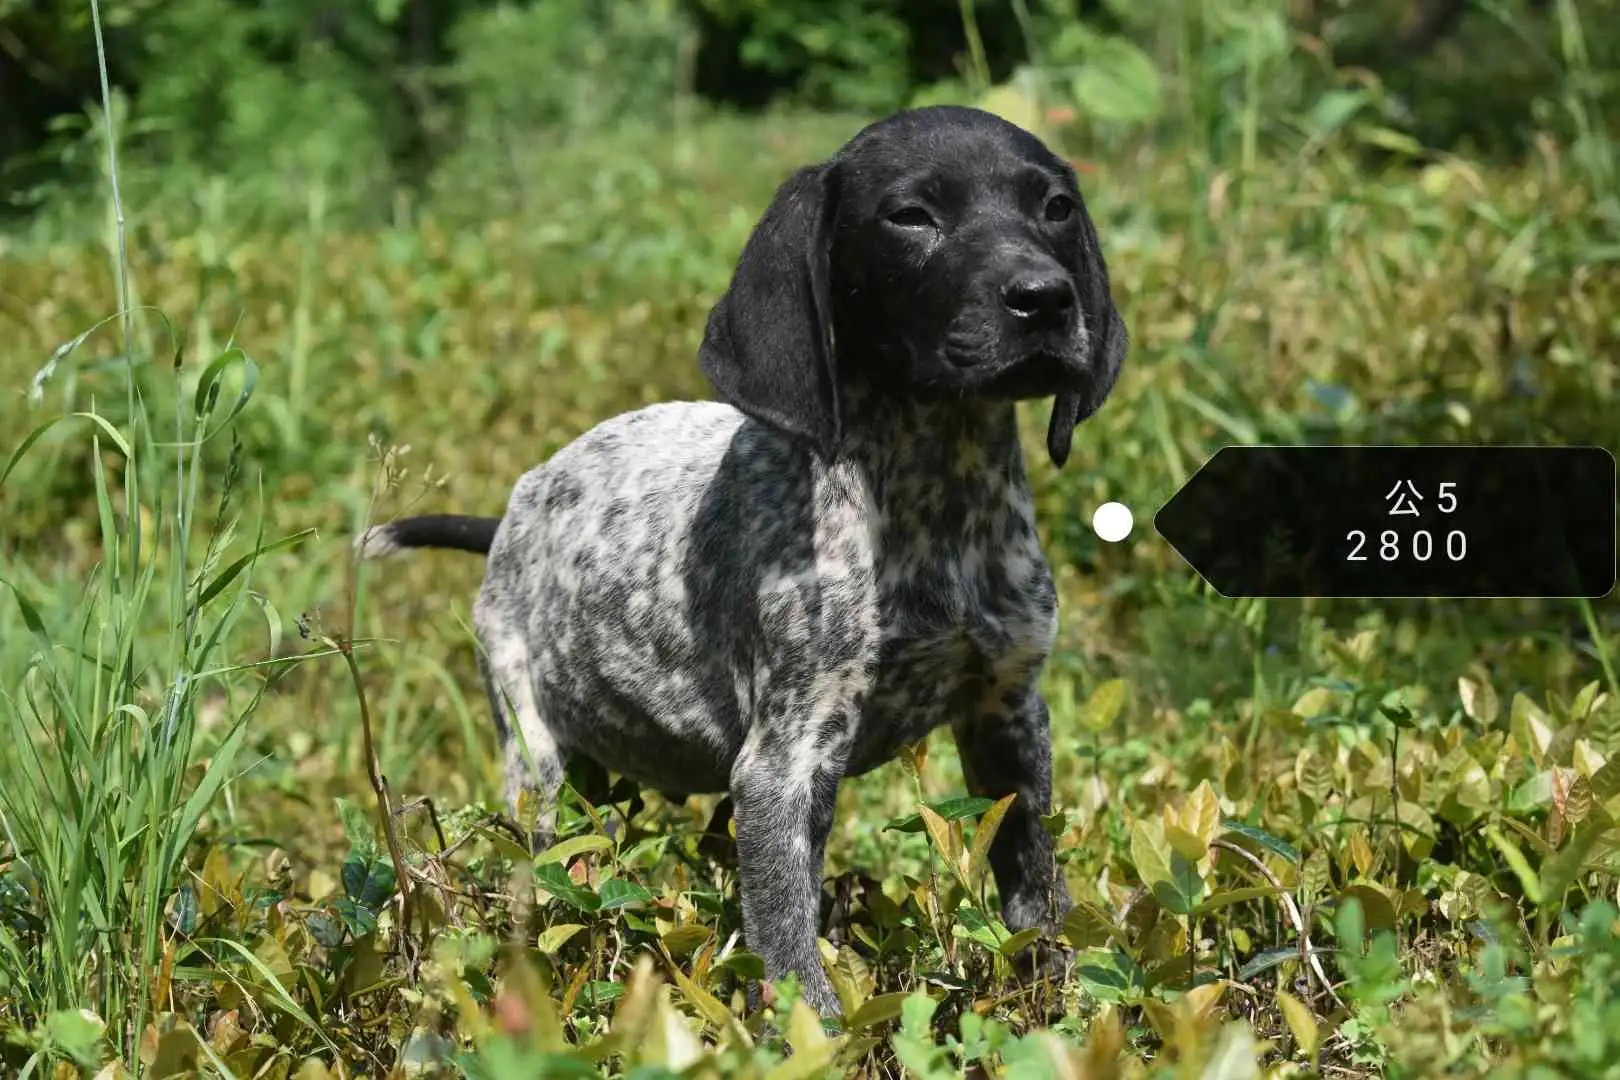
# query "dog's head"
(942, 253)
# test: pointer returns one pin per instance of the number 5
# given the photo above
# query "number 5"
(1447, 493)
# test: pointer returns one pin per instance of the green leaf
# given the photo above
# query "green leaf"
(952, 809)
(742, 962)
(1517, 863)
(1117, 83)
(1560, 871)
(1377, 910)
(234, 570)
(359, 920)
(616, 893)
(358, 827)
(209, 382)
(183, 909)
(1182, 891)
(34, 436)
(369, 883)
(77, 1032)
(564, 850)
(877, 1010)
(1334, 109)
(916, 1013)
(1019, 941)
(555, 880)
(1267, 959)
(1110, 975)
(1271, 843)
(975, 926)
(1237, 896)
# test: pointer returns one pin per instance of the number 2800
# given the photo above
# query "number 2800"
(1389, 545)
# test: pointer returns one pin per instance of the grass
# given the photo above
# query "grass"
(1319, 837)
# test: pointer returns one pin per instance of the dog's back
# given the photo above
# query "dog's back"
(624, 580)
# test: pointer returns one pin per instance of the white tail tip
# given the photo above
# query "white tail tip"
(377, 542)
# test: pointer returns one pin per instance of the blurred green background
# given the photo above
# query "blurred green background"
(451, 236)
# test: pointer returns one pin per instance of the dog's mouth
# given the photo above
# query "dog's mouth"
(1037, 371)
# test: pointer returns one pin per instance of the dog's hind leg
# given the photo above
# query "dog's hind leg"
(533, 759)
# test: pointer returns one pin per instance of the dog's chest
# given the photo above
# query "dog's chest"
(965, 630)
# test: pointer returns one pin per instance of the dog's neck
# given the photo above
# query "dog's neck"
(955, 465)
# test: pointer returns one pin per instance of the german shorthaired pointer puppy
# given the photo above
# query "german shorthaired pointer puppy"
(768, 593)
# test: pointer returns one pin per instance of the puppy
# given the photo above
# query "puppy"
(765, 594)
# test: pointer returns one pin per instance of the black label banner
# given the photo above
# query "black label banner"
(1399, 521)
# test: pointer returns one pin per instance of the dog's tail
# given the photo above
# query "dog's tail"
(458, 532)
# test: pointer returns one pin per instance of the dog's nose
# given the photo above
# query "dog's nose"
(1039, 296)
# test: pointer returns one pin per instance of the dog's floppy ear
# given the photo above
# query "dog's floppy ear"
(768, 346)
(1109, 342)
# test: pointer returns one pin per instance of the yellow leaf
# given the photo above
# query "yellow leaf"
(574, 845)
(1086, 926)
(553, 938)
(1585, 759)
(1235, 1057)
(1150, 853)
(1104, 705)
(985, 834)
(1360, 852)
(218, 885)
(1313, 702)
(1161, 1016)
(1014, 105)
(1103, 1046)
(812, 1050)
(681, 940)
(851, 979)
(1530, 728)
(1377, 909)
(1479, 700)
(633, 1012)
(1313, 773)
(1193, 826)
(713, 1010)
(1184, 843)
(1301, 1021)
(321, 884)
(1200, 1001)
(938, 830)
(672, 1043)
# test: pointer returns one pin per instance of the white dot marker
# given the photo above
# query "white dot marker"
(1112, 521)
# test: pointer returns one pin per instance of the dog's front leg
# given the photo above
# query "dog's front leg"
(1006, 753)
(784, 787)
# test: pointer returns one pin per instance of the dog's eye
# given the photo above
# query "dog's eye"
(912, 217)
(1059, 208)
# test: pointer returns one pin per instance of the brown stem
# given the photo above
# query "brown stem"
(1313, 963)
(379, 785)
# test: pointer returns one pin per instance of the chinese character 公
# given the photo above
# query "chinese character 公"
(1403, 503)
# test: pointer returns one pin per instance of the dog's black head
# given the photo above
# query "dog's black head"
(942, 253)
